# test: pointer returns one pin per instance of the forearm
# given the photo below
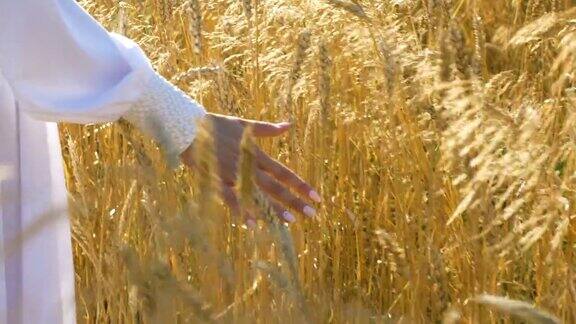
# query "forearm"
(63, 66)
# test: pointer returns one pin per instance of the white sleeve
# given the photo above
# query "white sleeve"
(64, 66)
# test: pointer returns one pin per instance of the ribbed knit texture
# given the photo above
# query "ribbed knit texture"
(168, 115)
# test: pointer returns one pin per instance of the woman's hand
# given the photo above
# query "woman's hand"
(287, 190)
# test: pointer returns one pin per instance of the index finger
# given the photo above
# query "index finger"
(286, 176)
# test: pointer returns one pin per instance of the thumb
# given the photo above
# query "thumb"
(265, 129)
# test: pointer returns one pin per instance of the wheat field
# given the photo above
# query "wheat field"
(441, 134)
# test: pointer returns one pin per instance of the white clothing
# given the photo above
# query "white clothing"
(58, 64)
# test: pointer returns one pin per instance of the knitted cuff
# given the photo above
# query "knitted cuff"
(168, 115)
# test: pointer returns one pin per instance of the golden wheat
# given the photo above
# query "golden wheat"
(441, 134)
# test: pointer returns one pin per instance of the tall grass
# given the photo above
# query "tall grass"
(441, 134)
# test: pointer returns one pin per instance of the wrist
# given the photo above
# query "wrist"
(168, 115)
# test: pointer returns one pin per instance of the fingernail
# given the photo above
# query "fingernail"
(309, 211)
(288, 217)
(315, 196)
(251, 223)
(283, 124)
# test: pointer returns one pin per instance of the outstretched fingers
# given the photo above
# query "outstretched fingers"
(283, 196)
(286, 176)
